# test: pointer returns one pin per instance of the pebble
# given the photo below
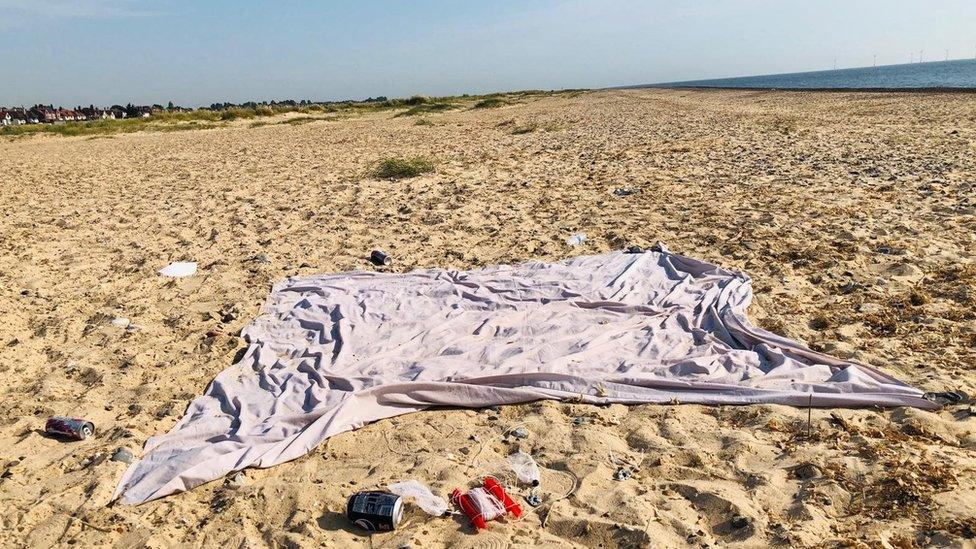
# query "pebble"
(869, 308)
(261, 258)
(807, 471)
(739, 521)
(520, 433)
(122, 454)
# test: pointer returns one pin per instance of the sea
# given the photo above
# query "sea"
(959, 74)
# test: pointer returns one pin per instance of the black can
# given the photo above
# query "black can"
(375, 511)
(378, 257)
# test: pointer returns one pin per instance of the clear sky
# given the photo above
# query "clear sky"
(197, 52)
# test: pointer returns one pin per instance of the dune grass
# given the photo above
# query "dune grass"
(491, 103)
(205, 118)
(401, 168)
(535, 126)
(428, 108)
(298, 121)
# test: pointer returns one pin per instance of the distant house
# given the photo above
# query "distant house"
(44, 114)
(18, 116)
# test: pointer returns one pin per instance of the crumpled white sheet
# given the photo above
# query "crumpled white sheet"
(333, 352)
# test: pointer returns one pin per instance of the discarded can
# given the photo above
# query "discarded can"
(378, 257)
(375, 511)
(77, 429)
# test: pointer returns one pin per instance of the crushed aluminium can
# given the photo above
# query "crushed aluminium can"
(375, 511)
(67, 427)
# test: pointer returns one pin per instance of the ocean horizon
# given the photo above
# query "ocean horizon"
(953, 74)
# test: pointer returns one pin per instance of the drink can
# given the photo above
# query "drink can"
(378, 257)
(375, 511)
(73, 428)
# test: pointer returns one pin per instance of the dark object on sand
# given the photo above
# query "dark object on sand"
(635, 250)
(625, 191)
(375, 511)
(378, 258)
(123, 455)
(533, 499)
(947, 398)
(623, 473)
(70, 428)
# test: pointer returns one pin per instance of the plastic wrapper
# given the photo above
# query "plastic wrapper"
(524, 467)
(422, 496)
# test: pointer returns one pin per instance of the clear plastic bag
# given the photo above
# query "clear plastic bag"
(425, 499)
(525, 468)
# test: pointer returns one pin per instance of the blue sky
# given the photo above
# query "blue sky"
(197, 52)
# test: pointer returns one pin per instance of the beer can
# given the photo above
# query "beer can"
(73, 428)
(375, 511)
(378, 257)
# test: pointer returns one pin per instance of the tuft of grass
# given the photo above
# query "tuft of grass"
(423, 122)
(427, 108)
(535, 126)
(259, 124)
(490, 103)
(525, 128)
(401, 168)
(298, 121)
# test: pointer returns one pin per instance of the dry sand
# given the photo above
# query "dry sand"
(855, 213)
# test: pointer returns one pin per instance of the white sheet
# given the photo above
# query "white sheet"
(333, 352)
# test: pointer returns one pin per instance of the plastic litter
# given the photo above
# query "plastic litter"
(576, 239)
(533, 499)
(425, 499)
(179, 269)
(485, 503)
(623, 473)
(524, 467)
(121, 322)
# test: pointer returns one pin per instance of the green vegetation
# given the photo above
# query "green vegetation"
(535, 126)
(525, 128)
(298, 121)
(400, 168)
(105, 127)
(427, 108)
(423, 122)
(205, 118)
(491, 103)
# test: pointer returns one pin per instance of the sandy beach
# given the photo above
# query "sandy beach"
(854, 213)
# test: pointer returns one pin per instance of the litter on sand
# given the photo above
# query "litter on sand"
(333, 352)
(425, 499)
(179, 269)
(576, 239)
(524, 468)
